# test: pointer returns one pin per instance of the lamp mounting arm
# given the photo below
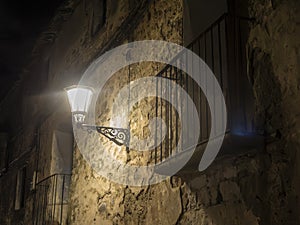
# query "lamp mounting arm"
(120, 136)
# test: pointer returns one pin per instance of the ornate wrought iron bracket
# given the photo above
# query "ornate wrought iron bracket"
(120, 136)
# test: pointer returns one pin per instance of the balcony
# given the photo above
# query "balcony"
(223, 47)
(51, 200)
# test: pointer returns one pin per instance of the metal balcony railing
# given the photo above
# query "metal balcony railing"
(51, 200)
(223, 47)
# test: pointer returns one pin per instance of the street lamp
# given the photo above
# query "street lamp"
(80, 98)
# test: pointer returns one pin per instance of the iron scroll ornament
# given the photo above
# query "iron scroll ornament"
(120, 136)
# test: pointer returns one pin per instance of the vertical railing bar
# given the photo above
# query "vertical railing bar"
(41, 213)
(55, 192)
(48, 196)
(229, 103)
(206, 105)
(41, 206)
(176, 105)
(45, 205)
(37, 206)
(220, 56)
(187, 104)
(237, 71)
(241, 65)
(171, 113)
(213, 69)
(48, 199)
(181, 103)
(52, 196)
(167, 119)
(43, 190)
(128, 102)
(161, 114)
(193, 92)
(221, 66)
(156, 116)
(62, 199)
(200, 93)
(166, 150)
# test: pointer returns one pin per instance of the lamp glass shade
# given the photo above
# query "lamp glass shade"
(79, 99)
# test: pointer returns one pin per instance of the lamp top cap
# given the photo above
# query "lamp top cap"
(79, 87)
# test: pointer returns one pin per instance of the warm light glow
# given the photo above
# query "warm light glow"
(79, 99)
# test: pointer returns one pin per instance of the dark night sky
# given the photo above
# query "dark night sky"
(21, 21)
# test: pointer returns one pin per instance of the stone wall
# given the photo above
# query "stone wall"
(273, 51)
(96, 200)
(259, 187)
(253, 188)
